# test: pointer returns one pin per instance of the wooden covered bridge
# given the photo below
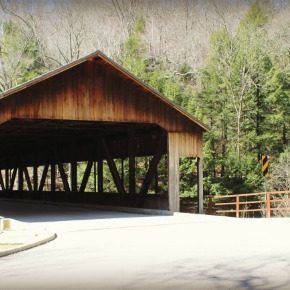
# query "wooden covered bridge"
(92, 110)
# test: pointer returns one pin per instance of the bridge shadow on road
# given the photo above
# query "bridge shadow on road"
(43, 212)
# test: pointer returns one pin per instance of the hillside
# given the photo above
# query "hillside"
(227, 62)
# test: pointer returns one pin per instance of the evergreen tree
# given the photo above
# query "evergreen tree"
(237, 98)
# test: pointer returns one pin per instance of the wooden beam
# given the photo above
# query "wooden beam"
(63, 177)
(27, 178)
(52, 177)
(14, 172)
(200, 184)
(95, 179)
(132, 169)
(61, 170)
(113, 168)
(122, 172)
(43, 177)
(156, 188)
(73, 166)
(156, 158)
(7, 178)
(100, 168)
(88, 168)
(35, 177)
(100, 176)
(73, 176)
(2, 181)
(173, 173)
(86, 176)
(20, 178)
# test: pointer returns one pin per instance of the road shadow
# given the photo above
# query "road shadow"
(250, 273)
(43, 212)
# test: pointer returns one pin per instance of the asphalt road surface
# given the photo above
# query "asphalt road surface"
(111, 250)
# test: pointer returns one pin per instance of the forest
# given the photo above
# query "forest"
(225, 62)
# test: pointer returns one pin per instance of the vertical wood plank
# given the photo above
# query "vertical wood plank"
(95, 179)
(268, 205)
(73, 176)
(73, 164)
(100, 176)
(173, 173)
(2, 181)
(20, 178)
(14, 172)
(35, 178)
(52, 177)
(7, 178)
(132, 169)
(237, 206)
(156, 187)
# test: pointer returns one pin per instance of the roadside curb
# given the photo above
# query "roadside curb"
(28, 246)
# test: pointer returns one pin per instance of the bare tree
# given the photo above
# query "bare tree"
(30, 24)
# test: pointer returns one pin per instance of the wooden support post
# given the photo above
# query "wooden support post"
(20, 178)
(100, 176)
(73, 167)
(132, 168)
(14, 172)
(95, 179)
(63, 177)
(237, 206)
(2, 181)
(43, 178)
(100, 166)
(268, 205)
(86, 176)
(200, 184)
(211, 205)
(52, 177)
(156, 188)
(35, 177)
(113, 168)
(122, 172)
(73, 176)
(27, 178)
(152, 166)
(88, 168)
(173, 173)
(7, 186)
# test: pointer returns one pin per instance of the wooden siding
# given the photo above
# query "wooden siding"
(96, 91)
(187, 144)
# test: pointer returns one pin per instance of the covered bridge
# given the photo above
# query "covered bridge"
(92, 110)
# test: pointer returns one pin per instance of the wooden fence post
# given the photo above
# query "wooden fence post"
(268, 205)
(237, 206)
(211, 205)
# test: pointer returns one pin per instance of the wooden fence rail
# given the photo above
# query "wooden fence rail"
(265, 203)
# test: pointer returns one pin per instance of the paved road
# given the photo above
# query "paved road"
(109, 250)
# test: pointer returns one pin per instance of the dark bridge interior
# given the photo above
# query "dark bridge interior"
(33, 153)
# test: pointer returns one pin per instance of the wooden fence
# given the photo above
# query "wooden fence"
(255, 204)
